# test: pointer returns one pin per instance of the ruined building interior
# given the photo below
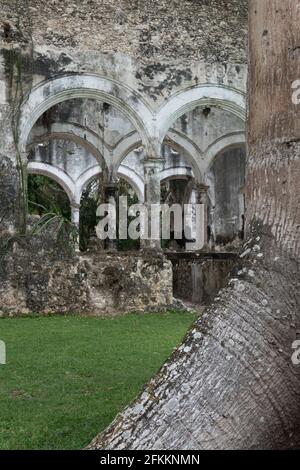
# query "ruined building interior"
(165, 341)
(156, 105)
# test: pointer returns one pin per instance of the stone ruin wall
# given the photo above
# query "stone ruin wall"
(34, 281)
(152, 30)
(156, 47)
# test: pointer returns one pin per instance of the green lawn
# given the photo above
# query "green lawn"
(67, 377)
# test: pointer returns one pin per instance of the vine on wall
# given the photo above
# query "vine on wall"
(20, 66)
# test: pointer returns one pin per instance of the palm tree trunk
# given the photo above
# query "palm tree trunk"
(232, 383)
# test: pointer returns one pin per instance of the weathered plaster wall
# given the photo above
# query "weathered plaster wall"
(206, 43)
(43, 278)
(157, 58)
(188, 30)
(7, 194)
(226, 195)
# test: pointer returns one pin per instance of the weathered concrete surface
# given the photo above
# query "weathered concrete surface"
(184, 29)
(128, 283)
(102, 85)
(35, 279)
(7, 194)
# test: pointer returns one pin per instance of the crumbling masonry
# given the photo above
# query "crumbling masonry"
(133, 90)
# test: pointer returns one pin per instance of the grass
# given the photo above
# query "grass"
(67, 377)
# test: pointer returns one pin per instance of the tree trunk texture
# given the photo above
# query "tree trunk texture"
(232, 383)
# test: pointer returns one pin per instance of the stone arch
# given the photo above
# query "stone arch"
(126, 145)
(193, 153)
(180, 103)
(75, 133)
(176, 140)
(232, 140)
(133, 179)
(70, 136)
(58, 175)
(52, 92)
(84, 179)
(180, 173)
(176, 173)
(127, 173)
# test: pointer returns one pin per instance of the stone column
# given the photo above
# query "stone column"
(152, 169)
(111, 197)
(21, 185)
(75, 211)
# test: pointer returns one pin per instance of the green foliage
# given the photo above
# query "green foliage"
(20, 61)
(45, 196)
(125, 190)
(90, 200)
(48, 200)
(88, 218)
(67, 377)
(64, 229)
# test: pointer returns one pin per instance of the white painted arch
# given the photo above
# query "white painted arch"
(56, 174)
(70, 136)
(133, 179)
(225, 97)
(124, 172)
(224, 143)
(74, 189)
(51, 92)
(176, 173)
(84, 179)
(174, 139)
(128, 144)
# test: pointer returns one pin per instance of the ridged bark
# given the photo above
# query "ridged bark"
(232, 383)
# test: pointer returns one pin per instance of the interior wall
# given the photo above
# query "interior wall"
(226, 199)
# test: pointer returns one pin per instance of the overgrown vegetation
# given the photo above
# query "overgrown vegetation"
(67, 377)
(125, 190)
(90, 199)
(46, 196)
(20, 69)
(92, 196)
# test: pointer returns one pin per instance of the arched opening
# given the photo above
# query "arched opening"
(50, 213)
(214, 136)
(207, 129)
(45, 195)
(94, 194)
(89, 87)
(176, 190)
(77, 138)
(226, 202)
